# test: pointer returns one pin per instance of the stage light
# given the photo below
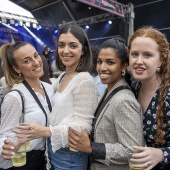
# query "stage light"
(110, 22)
(27, 24)
(12, 21)
(87, 26)
(34, 25)
(39, 27)
(21, 23)
(56, 31)
(4, 20)
(16, 24)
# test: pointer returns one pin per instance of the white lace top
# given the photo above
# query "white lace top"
(74, 107)
(11, 113)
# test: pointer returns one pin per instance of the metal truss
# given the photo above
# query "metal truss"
(94, 19)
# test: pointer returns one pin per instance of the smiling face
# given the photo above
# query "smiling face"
(69, 50)
(29, 63)
(109, 67)
(144, 59)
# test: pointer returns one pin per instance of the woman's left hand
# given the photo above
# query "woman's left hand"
(148, 157)
(32, 131)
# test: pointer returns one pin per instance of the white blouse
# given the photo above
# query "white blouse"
(74, 107)
(12, 110)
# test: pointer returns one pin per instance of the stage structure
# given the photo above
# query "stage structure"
(116, 11)
(9, 18)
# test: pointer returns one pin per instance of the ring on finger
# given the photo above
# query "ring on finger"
(30, 127)
(148, 164)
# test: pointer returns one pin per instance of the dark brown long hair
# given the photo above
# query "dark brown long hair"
(164, 74)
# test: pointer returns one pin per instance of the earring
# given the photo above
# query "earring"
(123, 72)
(81, 62)
(158, 70)
(19, 74)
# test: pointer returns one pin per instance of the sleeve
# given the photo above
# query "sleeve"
(11, 111)
(127, 119)
(166, 150)
(85, 102)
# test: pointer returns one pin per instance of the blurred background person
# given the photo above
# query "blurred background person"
(46, 52)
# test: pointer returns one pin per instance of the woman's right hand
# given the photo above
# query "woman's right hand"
(7, 150)
(79, 140)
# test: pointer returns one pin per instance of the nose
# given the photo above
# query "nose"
(35, 62)
(139, 59)
(66, 49)
(103, 66)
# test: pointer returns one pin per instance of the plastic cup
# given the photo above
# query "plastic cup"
(80, 129)
(27, 142)
(19, 144)
(130, 151)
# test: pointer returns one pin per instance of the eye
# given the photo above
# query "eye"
(26, 60)
(73, 46)
(147, 55)
(36, 55)
(60, 45)
(99, 61)
(134, 54)
(110, 62)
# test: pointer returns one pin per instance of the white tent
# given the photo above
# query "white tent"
(10, 7)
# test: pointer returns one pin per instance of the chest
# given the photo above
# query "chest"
(145, 100)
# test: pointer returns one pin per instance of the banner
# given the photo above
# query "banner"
(107, 5)
(7, 35)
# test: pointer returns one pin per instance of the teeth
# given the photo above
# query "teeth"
(37, 69)
(139, 69)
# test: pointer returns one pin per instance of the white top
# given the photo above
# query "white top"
(74, 107)
(11, 113)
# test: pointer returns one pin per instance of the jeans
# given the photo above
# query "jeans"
(64, 159)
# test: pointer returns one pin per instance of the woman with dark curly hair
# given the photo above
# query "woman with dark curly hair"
(149, 61)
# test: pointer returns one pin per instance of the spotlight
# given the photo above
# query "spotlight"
(56, 31)
(12, 21)
(34, 25)
(110, 22)
(27, 24)
(4, 20)
(16, 24)
(20, 23)
(87, 26)
(39, 27)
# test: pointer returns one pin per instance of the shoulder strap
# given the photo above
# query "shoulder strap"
(21, 120)
(37, 100)
(102, 104)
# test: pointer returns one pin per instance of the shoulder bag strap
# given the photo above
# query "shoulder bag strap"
(102, 104)
(36, 98)
(23, 108)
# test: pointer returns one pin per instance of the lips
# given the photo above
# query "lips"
(104, 75)
(139, 70)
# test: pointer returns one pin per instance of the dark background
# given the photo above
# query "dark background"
(147, 12)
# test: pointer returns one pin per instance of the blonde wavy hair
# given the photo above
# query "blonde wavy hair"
(164, 74)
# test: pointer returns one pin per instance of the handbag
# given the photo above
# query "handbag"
(42, 108)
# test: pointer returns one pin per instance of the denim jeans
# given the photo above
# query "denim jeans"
(64, 159)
